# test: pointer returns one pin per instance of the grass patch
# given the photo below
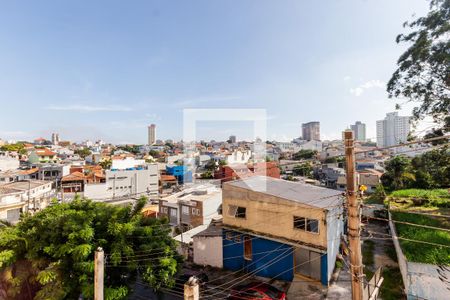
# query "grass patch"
(418, 252)
(391, 288)
(426, 198)
(367, 252)
(441, 193)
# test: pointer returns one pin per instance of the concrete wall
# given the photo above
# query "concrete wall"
(271, 215)
(125, 183)
(128, 162)
(8, 163)
(208, 251)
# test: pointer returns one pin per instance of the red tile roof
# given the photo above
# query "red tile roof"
(44, 152)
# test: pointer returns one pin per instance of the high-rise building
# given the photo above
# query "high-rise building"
(393, 130)
(311, 131)
(152, 134)
(55, 138)
(232, 139)
(359, 131)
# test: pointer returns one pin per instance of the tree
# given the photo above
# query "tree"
(51, 255)
(398, 173)
(423, 73)
(106, 164)
(304, 154)
(432, 169)
(83, 152)
(154, 153)
(304, 169)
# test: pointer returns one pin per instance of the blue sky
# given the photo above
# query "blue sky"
(107, 69)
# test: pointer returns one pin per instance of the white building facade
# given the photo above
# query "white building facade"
(393, 130)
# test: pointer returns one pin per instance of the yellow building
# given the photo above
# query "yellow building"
(262, 214)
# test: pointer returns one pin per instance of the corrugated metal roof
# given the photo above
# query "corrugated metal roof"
(294, 191)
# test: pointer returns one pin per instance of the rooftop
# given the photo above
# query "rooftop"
(25, 185)
(294, 191)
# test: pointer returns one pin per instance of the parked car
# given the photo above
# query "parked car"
(257, 290)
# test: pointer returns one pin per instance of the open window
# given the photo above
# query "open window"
(237, 211)
(299, 223)
(247, 248)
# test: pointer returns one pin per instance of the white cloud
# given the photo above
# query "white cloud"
(89, 108)
(374, 83)
(347, 78)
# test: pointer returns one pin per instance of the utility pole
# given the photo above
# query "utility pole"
(99, 273)
(353, 219)
(191, 289)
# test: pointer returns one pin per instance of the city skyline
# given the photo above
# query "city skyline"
(89, 77)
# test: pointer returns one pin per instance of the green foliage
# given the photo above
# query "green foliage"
(419, 252)
(154, 153)
(427, 171)
(17, 147)
(222, 162)
(423, 69)
(304, 169)
(211, 165)
(391, 289)
(83, 152)
(58, 245)
(304, 154)
(378, 196)
(206, 175)
(135, 149)
(428, 194)
(105, 164)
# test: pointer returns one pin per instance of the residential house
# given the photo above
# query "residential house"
(182, 173)
(8, 163)
(125, 184)
(42, 155)
(192, 207)
(207, 246)
(21, 196)
(370, 178)
(239, 171)
(281, 229)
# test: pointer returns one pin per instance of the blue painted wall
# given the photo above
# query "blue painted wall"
(277, 261)
(181, 173)
(324, 269)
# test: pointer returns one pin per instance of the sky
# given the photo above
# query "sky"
(107, 69)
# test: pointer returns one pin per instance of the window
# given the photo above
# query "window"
(247, 248)
(164, 210)
(237, 211)
(196, 212)
(237, 238)
(312, 225)
(229, 236)
(299, 223)
(185, 210)
(173, 212)
(309, 225)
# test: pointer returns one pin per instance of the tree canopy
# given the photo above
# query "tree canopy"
(50, 255)
(423, 73)
(429, 170)
(304, 154)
